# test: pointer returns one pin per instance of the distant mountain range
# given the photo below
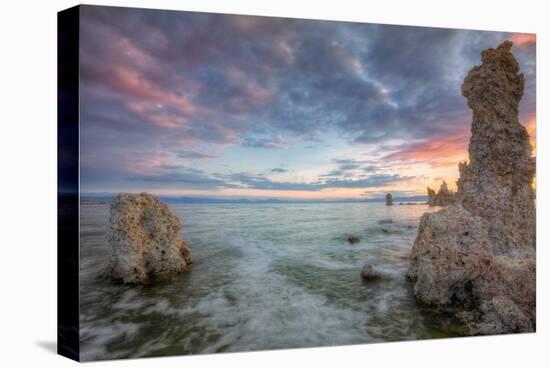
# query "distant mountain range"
(106, 198)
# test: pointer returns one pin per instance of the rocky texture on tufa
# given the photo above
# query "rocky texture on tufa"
(479, 253)
(443, 197)
(144, 239)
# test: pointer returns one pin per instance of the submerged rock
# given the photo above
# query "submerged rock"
(144, 239)
(369, 273)
(389, 199)
(479, 253)
(443, 197)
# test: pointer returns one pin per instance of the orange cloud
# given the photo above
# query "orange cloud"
(523, 39)
(436, 153)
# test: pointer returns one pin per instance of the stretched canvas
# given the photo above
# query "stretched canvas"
(232, 183)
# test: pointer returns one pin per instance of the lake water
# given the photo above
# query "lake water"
(263, 277)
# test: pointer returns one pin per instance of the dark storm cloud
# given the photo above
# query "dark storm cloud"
(175, 80)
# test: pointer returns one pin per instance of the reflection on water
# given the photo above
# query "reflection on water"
(263, 277)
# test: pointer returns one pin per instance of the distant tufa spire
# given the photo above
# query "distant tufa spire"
(443, 197)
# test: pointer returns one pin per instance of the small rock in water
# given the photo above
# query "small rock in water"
(368, 272)
(354, 239)
(144, 239)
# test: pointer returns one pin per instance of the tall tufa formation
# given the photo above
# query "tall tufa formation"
(144, 238)
(479, 253)
(496, 184)
(389, 199)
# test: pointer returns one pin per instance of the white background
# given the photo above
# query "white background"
(28, 182)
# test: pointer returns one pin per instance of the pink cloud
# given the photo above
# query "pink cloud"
(133, 85)
(157, 114)
(443, 152)
(162, 108)
(523, 39)
(251, 92)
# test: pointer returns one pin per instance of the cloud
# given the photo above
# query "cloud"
(190, 154)
(179, 81)
(279, 170)
(371, 181)
(162, 172)
(523, 39)
(370, 168)
(288, 76)
(276, 142)
(333, 173)
(349, 166)
(436, 152)
(263, 183)
(185, 179)
(382, 193)
(354, 168)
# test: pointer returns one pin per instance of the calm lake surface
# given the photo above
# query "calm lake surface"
(265, 276)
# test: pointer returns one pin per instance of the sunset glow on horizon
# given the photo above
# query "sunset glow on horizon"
(198, 104)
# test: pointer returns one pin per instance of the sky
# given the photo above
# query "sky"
(199, 104)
